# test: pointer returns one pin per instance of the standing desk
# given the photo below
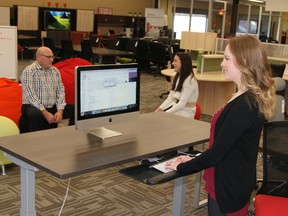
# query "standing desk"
(66, 152)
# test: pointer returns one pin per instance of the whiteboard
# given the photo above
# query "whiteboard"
(8, 52)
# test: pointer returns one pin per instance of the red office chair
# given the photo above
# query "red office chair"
(267, 205)
(198, 112)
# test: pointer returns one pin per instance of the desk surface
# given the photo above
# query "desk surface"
(105, 51)
(216, 76)
(66, 152)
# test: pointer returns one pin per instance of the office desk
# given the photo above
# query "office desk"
(66, 152)
(214, 90)
(105, 55)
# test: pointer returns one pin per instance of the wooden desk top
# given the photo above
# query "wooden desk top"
(208, 76)
(66, 152)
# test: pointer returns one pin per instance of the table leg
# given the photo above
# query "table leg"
(27, 192)
(27, 187)
(197, 189)
(179, 196)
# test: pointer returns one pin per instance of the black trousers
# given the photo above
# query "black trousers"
(32, 118)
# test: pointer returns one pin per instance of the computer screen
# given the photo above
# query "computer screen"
(105, 94)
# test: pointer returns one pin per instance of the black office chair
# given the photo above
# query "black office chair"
(96, 41)
(277, 69)
(173, 49)
(275, 159)
(122, 42)
(112, 43)
(67, 49)
(158, 56)
(34, 42)
(143, 54)
(86, 51)
(271, 198)
(49, 42)
(130, 46)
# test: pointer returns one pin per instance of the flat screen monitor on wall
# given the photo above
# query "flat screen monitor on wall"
(106, 94)
(56, 19)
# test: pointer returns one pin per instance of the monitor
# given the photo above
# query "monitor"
(55, 19)
(106, 94)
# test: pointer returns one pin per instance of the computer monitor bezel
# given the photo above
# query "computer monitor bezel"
(103, 119)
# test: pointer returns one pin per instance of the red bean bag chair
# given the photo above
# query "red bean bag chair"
(66, 69)
(10, 99)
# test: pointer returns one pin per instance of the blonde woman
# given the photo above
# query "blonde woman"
(230, 161)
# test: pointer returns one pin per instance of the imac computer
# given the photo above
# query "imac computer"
(106, 94)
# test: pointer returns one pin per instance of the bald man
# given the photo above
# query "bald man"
(43, 95)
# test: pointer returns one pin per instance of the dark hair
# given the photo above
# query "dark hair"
(185, 71)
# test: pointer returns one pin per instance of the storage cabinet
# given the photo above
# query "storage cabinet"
(136, 23)
(110, 20)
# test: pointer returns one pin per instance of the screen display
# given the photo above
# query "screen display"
(57, 19)
(105, 91)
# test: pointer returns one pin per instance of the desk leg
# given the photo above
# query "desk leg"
(27, 186)
(197, 190)
(27, 192)
(179, 196)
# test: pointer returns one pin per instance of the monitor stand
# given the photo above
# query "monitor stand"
(103, 133)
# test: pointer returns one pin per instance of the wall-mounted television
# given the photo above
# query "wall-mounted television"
(106, 94)
(57, 19)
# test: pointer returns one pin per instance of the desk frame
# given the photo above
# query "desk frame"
(145, 129)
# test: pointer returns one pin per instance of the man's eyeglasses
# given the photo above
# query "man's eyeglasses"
(48, 56)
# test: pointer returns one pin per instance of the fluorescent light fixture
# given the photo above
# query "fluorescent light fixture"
(258, 1)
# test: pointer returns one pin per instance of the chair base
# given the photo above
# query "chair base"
(3, 170)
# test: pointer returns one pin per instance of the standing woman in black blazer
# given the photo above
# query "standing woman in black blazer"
(230, 161)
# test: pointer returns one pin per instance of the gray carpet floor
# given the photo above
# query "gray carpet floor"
(105, 192)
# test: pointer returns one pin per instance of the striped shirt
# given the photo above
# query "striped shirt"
(42, 89)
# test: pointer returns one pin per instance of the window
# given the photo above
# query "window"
(181, 23)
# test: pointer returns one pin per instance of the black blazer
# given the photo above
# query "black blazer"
(233, 154)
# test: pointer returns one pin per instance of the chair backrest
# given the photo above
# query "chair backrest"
(158, 54)
(279, 113)
(173, 49)
(37, 42)
(275, 159)
(96, 40)
(122, 43)
(277, 69)
(86, 51)
(49, 42)
(67, 49)
(131, 45)
(112, 44)
(142, 52)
